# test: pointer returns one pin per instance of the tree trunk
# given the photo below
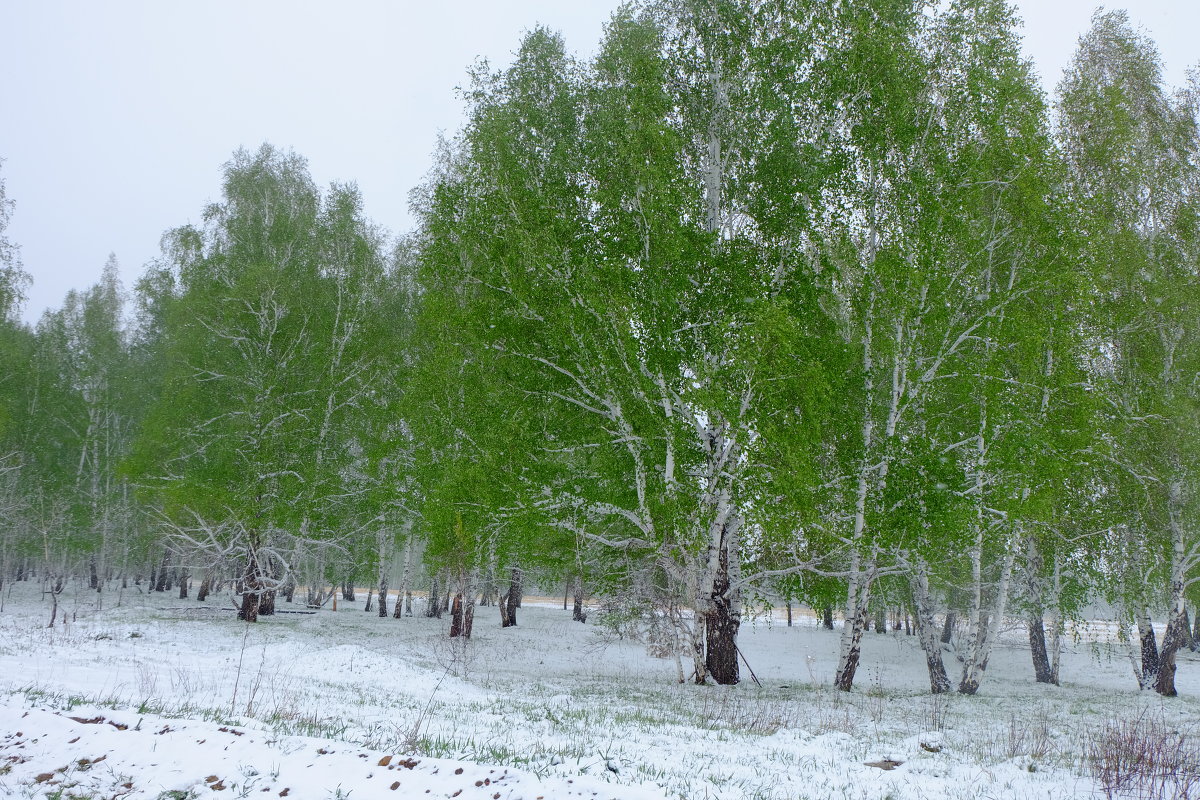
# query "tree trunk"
(577, 612)
(205, 585)
(881, 619)
(406, 577)
(1177, 627)
(985, 623)
(348, 589)
(183, 584)
(53, 605)
(1196, 630)
(502, 605)
(251, 585)
(827, 618)
(851, 650)
(948, 628)
(383, 590)
(1173, 640)
(723, 616)
(456, 617)
(1149, 650)
(468, 593)
(434, 608)
(516, 589)
(161, 586)
(266, 606)
(1042, 671)
(699, 660)
(370, 597)
(858, 594)
(788, 606)
(510, 601)
(927, 632)
(94, 577)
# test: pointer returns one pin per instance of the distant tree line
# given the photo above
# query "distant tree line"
(766, 302)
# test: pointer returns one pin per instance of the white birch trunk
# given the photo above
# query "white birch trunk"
(927, 630)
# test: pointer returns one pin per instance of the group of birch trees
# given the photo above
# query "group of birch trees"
(822, 299)
(765, 301)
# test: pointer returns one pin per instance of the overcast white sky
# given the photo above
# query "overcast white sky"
(115, 117)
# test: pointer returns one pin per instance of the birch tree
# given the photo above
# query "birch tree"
(16, 356)
(1132, 153)
(252, 451)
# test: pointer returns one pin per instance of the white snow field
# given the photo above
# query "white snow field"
(164, 698)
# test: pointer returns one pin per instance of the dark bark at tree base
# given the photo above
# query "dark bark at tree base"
(939, 681)
(266, 606)
(510, 601)
(434, 609)
(721, 626)
(1173, 640)
(163, 578)
(183, 586)
(508, 614)
(468, 616)
(577, 612)
(721, 656)
(1150, 658)
(948, 628)
(827, 618)
(348, 590)
(926, 625)
(383, 602)
(1037, 645)
(516, 588)
(249, 609)
(456, 617)
(251, 591)
(844, 680)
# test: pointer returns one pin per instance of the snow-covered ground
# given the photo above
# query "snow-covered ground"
(164, 698)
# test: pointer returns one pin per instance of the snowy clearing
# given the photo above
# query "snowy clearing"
(166, 698)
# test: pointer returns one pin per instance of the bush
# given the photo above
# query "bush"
(1145, 758)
